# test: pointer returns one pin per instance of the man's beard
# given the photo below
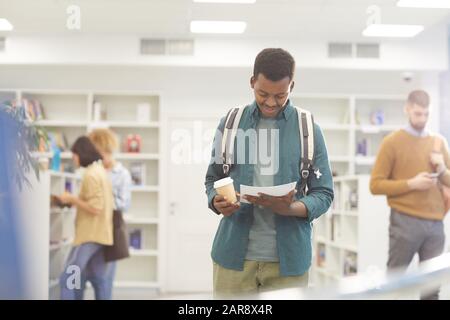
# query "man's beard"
(418, 127)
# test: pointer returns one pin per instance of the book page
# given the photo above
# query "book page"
(276, 191)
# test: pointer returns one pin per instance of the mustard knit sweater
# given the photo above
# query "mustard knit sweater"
(401, 157)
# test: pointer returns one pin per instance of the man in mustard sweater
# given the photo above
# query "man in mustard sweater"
(403, 172)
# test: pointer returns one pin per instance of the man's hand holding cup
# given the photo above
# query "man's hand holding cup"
(226, 199)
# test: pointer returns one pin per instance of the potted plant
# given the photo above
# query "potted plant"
(23, 137)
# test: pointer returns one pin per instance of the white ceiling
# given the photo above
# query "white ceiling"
(299, 19)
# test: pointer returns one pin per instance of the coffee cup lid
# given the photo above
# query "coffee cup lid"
(222, 182)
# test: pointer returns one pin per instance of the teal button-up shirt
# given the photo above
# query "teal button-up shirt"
(293, 233)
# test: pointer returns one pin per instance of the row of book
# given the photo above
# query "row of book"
(350, 202)
(350, 260)
(132, 143)
(135, 237)
(34, 109)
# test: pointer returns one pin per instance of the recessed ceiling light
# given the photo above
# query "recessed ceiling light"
(225, 1)
(218, 26)
(5, 25)
(432, 4)
(392, 30)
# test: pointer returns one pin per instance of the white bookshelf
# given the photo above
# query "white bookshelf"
(332, 113)
(356, 226)
(346, 120)
(394, 118)
(62, 226)
(136, 220)
(61, 123)
(73, 113)
(137, 156)
(132, 124)
(144, 253)
(145, 189)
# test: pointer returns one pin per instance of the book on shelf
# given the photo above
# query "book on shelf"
(99, 112)
(337, 197)
(138, 173)
(357, 119)
(69, 186)
(346, 117)
(57, 139)
(377, 117)
(136, 239)
(362, 147)
(352, 201)
(133, 143)
(68, 167)
(350, 263)
(143, 112)
(321, 257)
(56, 158)
(335, 228)
(34, 109)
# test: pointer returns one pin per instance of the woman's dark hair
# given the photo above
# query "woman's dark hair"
(275, 64)
(86, 151)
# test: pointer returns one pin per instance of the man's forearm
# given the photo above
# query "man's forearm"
(389, 187)
(445, 178)
(298, 209)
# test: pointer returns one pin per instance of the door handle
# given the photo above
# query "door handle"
(172, 206)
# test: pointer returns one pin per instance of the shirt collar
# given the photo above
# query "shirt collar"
(409, 128)
(117, 167)
(284, 114)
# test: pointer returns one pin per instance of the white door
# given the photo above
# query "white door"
(190, 224)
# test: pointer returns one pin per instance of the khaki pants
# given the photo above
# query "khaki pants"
(256, 277)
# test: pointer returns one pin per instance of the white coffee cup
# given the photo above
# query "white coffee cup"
(225, 188)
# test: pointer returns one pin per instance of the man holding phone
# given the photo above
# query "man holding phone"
(407, 170)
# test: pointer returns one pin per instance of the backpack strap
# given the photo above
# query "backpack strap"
(306, 134)
(229, 134)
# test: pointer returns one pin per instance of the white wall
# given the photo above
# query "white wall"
(427, 51)
(211, 90)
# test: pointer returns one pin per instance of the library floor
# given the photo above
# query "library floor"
(136, 294)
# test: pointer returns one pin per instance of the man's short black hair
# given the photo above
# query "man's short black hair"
(86, 151)
(275, 64)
